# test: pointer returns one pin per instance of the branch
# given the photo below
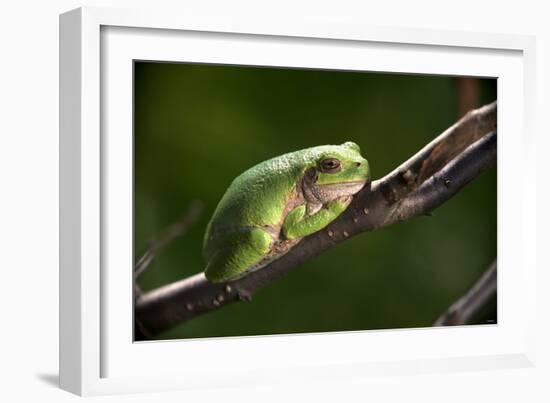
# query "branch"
(421, 184)
(463, 310)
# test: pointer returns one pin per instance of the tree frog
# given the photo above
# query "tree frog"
(270, 207)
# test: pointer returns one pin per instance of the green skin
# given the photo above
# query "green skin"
(269, 208)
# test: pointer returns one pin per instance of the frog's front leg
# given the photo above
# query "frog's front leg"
(298, 224)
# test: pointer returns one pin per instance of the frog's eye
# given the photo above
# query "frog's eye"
(330, 165)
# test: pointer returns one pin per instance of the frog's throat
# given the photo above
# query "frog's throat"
(326, 193)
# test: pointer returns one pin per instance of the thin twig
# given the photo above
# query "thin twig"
(465, 308)
(446, 164)
(171, 233)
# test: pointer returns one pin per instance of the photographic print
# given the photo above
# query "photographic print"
(272, 200)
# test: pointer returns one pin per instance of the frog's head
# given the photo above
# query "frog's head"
(339, 171)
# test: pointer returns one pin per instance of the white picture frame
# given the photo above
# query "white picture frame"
(96, 354)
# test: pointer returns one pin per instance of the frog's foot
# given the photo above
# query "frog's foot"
(281, 247)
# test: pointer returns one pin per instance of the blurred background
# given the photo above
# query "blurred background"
(197, 127)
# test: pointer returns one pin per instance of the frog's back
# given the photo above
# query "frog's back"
(257, 196)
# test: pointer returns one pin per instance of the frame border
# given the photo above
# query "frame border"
(80, 307)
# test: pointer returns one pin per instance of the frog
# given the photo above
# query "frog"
(268, 209)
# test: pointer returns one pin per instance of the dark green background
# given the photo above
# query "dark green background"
(199, 126)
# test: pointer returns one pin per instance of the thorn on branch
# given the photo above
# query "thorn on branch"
(410, 179)
(389, 193)
(244, 296)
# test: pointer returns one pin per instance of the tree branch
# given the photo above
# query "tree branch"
(421, 184)
(464, 309)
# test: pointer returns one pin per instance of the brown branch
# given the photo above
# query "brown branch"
(467, 91)
(418, 186)
(465, 308)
